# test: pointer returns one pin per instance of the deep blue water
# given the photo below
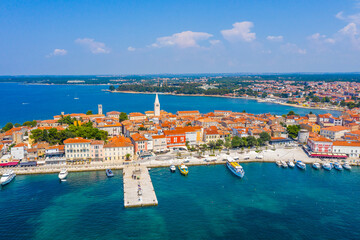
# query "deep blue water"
(20, 103)
(210, 203)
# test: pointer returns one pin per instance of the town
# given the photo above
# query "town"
(117, 137)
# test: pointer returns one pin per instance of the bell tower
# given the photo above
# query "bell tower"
(156, 106)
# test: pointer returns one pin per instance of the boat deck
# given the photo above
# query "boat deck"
(133, 177)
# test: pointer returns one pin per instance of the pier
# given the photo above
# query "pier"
(138, 187)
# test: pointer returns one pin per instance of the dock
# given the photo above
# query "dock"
(138, 187)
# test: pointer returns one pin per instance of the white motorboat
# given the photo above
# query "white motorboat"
(7, 177)
(327, 166)
(283, 164)
(278, 163)
(316, 165)
(347, 166)
(172, 168)
(300, 165)
(63, 174)
(338, 166)
(291, 164)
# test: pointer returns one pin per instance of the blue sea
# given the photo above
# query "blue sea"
(20, 102)
(210, 203)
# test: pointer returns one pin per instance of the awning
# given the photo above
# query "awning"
(9, 164)
(329, 155)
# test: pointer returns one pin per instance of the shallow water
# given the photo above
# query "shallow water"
(210, 203)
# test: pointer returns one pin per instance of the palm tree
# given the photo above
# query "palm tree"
(128, 155)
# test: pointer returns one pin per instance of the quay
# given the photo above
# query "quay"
(138, 188)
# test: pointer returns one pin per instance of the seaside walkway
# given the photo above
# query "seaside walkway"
(138, 188)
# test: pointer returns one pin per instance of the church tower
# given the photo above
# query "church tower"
(100, 112)
(156, 106)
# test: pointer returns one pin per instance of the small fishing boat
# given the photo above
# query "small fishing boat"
(235, 168)
(283, 164)
(183, 169)
(327, 166)
(109, 173)
(291, 164)
(338, 166)
(7, 177)
(316, 165)
(300, 165)
(172, 168)
(63, 174)
(347, 166)
(278, 163)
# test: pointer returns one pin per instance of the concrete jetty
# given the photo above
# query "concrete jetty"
(138, 188)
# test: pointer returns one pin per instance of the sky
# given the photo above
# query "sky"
(53, 37)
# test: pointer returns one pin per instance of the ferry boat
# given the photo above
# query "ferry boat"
(347, 166)
(300, 164)
(291, 164)
(338, 166)
(7, 177)
(283, 164)
(278, 163)
(183, 169)
(63, 174)
(316, 165)
(327, 166)
(109, 173)
(172, 168)
(235, 168)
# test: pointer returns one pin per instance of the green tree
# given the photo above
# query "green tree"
(89, 112)
(264, 95)
(123, 117)
(293, 130)
(227, 142)
(30, 123)
(235, 142)
(127, 156)
(17, 125)
(111, 88)
(251, 141)
(265, 137)
(7, 127)
(291, 113)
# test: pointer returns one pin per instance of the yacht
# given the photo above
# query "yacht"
(291, 164)
(316, 165)
(63, 174)
(300, 164)
(183, 169)
(278, 163)
(172, 168)
(235, 168)
(7, 177)
(109, 173)
(283, 164)
(338, 166)
(347, 166)
(327, 166)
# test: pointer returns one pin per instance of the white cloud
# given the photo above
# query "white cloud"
(92, 45)
(275, 38)
(321, 38)
(57, 52)
(131, 49)
(183, 39)
(355, 18)
(239, 32)
(292, 48)
(214, 42)
(351, 32)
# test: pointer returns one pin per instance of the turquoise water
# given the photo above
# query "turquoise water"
(210, 203)
(20, 103)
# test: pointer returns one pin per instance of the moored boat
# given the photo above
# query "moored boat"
(338, 166)
(278, 163)
(316, 165)
(235, 168)
(109, 173)
(283, 164)
(7, 177)
(63, 174)
(327, 166)
(172, 168)
(300, 164)
(347, 166)
(291, 164)
(183, 169)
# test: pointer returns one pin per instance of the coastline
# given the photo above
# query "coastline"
(219, 96)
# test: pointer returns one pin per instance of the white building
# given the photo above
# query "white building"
(352, 149)
(334, 133)
(19, 151)
(112, 129)
(77, 148)
(117, 151)
(156, 106)
(159, 143)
